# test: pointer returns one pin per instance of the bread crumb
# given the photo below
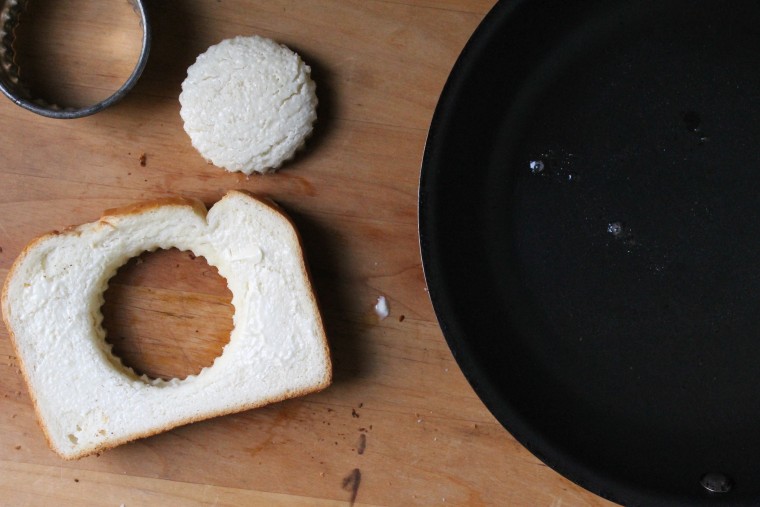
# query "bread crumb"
(381, 307)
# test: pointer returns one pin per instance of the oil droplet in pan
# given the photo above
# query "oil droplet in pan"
(536, 166)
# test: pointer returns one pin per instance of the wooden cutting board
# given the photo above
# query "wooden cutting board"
(400, 425)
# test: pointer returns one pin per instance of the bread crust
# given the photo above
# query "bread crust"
(142, 207)
(14, 344)
(189, 420)
(145, 206)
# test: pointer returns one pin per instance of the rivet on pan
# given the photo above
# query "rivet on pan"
(716, 483)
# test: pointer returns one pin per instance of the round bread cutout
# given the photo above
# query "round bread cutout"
(248, 104)
(85, 398)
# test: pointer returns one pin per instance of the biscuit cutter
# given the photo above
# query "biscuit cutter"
(13, 87)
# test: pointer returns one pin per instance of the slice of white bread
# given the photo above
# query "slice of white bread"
(86, 399)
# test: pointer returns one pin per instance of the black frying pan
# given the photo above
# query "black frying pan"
(590, 232)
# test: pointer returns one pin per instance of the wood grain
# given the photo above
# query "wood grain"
(168, 324)
(37, 485)
(398, 396)
(76, 53)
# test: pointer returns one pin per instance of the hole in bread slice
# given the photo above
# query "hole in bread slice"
(167, 314)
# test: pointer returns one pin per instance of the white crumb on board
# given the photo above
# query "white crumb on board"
(381, 307)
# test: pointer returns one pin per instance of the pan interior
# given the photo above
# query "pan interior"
(590, 227)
